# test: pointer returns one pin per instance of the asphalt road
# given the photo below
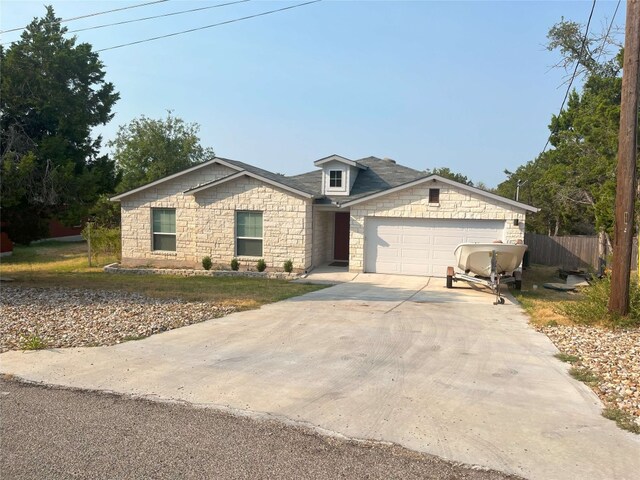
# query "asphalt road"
(60, 433)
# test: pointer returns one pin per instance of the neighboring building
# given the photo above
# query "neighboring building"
(6, 245)
(372, 213)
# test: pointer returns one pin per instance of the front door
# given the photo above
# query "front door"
(341, 236)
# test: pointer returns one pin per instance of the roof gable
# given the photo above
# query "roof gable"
(447, 181)
(243, 173)
(214, 160)
(338, 158)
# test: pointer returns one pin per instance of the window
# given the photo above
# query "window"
(249, 234)
(335, 178)
(164, 229)
(434, 195)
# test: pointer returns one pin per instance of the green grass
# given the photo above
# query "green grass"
(591, 307)
(61, 264)
(565, 357)
(584, 375)
(542, 304)
(34, 342)
(133, 338)
(586, 306)
(622, 419)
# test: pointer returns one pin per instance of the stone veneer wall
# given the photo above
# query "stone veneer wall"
(414, 203)
(286, 223)
(205, 222)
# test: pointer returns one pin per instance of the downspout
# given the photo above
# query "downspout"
(313, 233)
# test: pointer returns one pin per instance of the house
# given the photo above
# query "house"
(373, 213)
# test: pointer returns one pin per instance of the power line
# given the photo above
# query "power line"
(92, 14)
(207, 26)
(158, 16)
(575, 71)
(606, 37)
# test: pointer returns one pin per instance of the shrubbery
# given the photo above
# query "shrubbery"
(591, 307)
(288, 266)
(235, 264)
(105, 241)
(206, 263)
(261, 266)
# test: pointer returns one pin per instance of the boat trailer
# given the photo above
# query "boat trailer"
(493, 282)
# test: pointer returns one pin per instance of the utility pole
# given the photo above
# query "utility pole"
(518, 185)
(626, 171)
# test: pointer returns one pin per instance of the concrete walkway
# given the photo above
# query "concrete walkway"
(398, 359)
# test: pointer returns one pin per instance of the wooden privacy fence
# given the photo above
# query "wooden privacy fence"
(571, 251)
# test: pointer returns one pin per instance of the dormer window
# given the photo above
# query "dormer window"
(335, 179)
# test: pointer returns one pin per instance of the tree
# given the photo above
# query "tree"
(447, 173)
(146, 149)
(52, 94)
(574, 182)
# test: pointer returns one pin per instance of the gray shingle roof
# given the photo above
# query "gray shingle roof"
(380, 175)
(289, 181)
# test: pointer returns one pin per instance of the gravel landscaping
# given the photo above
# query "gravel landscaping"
(63, 317)
(612, 355)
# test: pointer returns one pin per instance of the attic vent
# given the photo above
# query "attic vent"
(389, 159)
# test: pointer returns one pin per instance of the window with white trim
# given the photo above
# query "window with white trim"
(164, 229)
(249, 234)
(335, 178)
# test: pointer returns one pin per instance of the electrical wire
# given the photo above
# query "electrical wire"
(92, 14)
(606, 37)
(207, 26)
(157, 16)
(575, 71)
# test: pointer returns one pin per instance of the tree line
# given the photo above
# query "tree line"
(574, 182)
(53, 93)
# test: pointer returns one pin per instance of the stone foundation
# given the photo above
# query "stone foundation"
(190, 272)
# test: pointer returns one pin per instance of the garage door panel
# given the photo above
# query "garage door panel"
(421, 246)
(417, 240)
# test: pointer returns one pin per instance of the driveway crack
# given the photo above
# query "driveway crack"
(409, 298)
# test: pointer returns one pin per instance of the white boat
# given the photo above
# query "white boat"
(478, 257)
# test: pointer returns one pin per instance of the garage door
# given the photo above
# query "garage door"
(421, 246)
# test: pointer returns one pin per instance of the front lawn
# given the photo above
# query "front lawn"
(62, 264)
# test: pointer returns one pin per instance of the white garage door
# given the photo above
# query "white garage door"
(421, 246)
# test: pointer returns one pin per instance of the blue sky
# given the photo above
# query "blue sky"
(464, 85)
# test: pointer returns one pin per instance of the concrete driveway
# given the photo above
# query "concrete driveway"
(397, 359)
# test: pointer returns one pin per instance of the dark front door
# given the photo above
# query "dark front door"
(341, 236)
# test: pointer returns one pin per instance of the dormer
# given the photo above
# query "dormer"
(338, 174)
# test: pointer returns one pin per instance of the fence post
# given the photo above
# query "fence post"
(89, 241)
(602, 252)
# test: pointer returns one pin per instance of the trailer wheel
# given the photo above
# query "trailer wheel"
(450, 274)
(518, 276)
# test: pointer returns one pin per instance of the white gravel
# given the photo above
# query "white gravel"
(613, 355)
(63, 317)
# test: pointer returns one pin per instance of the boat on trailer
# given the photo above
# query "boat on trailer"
(490, 263)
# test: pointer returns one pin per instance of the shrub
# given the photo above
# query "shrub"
(288, 266)
(591, 307)
(235, 264)
(206, 263)
(34, 342)
(261, 265)
(105, 241)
